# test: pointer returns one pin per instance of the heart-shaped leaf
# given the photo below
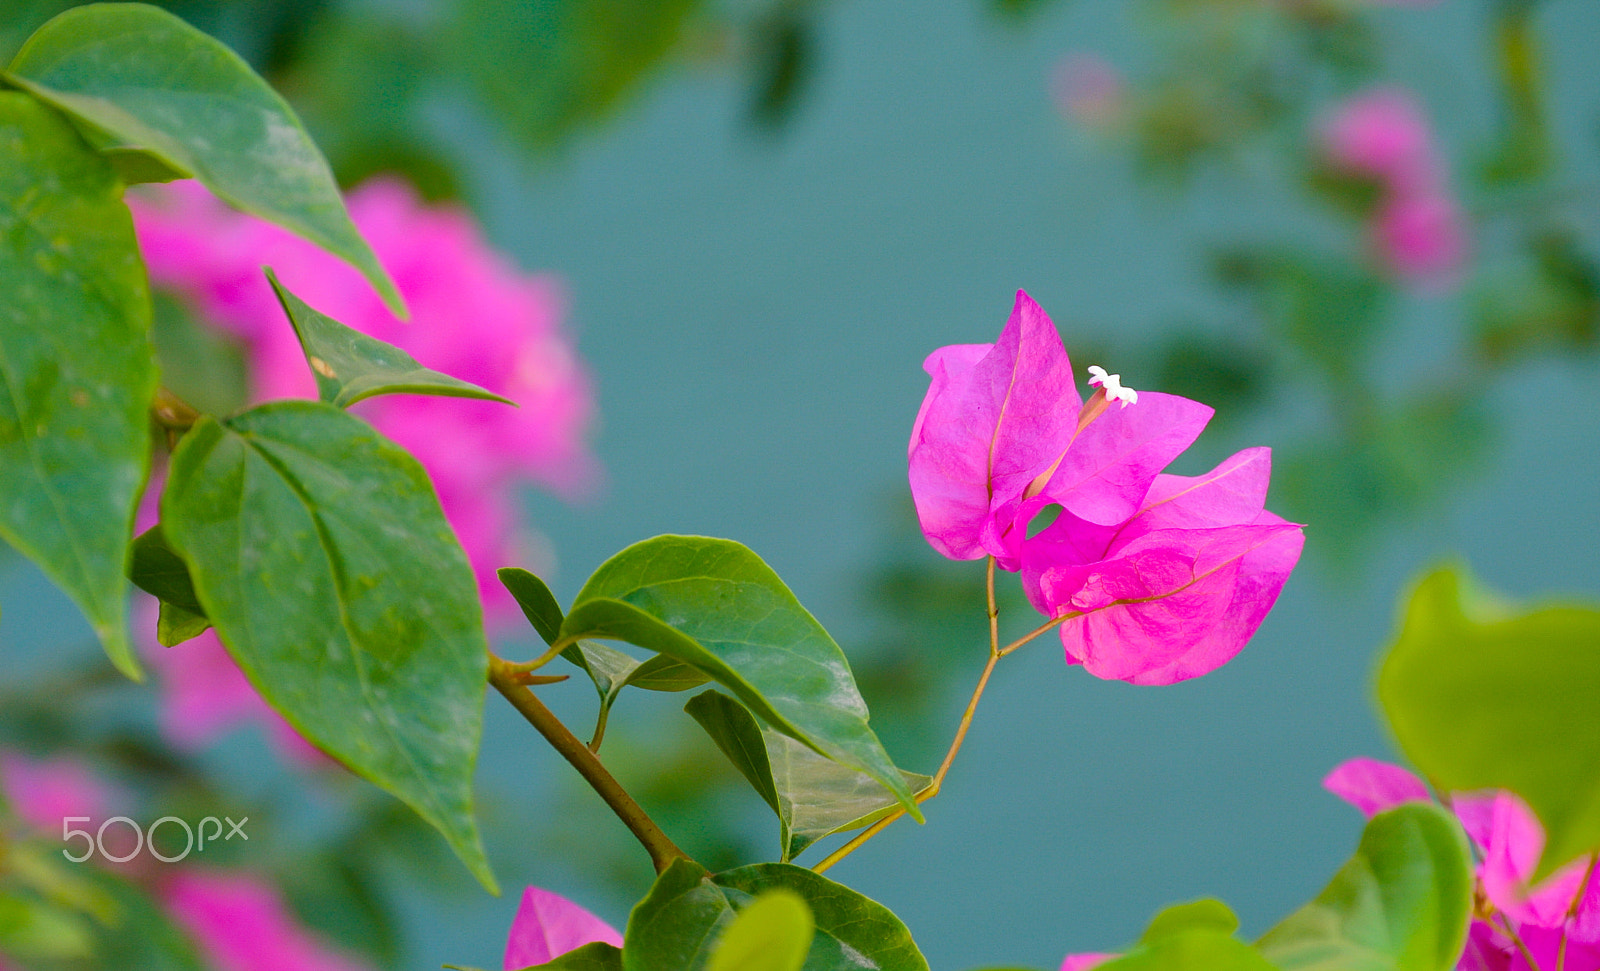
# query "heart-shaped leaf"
(153, 85)
(1402, 903)
(686, 912)
(76, 369)
(813, 796)
(318, 550)
(714, 605)
(350, 366)
(1505, 701)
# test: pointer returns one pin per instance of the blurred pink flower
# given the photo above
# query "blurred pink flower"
(1083, 962)
(1509, 840)
(549, 925)
(204, 695)
(241, 924)
(43, 792)
(1422, 237)
(474, 316)
(1088, 89)
(1418, 230)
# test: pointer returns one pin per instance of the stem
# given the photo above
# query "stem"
(662, 850)
(961, 732)
(1512, 933)
(1572, 911)
(1041, 629)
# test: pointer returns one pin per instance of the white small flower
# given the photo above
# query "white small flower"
(1112, 385)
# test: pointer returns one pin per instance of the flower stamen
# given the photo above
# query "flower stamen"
(1111, 384)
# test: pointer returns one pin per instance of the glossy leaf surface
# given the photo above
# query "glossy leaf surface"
(350, 366)
(686, 912)
(714, 605)
(813, 796)
(318, 550)
(153, 84)
(76, 369)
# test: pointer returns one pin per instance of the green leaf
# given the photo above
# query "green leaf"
(773, 933)
(548, 67)
(538, 604)
(150, 82)
(175, 624)
(714, 605)
(1193, 949)
(611, 670)
(813, 796)
(595, 956)
(157, 570)
(1402, 903)
(318, 550)
(350, 366)
(76, 369)
(1206, 913)
(1502, 702)
(687, 909)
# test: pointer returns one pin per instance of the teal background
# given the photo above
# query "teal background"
(755, 309)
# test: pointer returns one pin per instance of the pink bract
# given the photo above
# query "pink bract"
(1083, 962)
(1509, 839)
(43, 792)
(549, 925)
(474, 316)
(1088, 89)
(241, 924)
(1176, 590)
(1374, 787)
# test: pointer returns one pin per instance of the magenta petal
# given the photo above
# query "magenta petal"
(1206, 593)
(1374, 787)
(549, 925)
(1233, 492)
(1511, 838)
(994, 419)
(1487, 949)
(1083, 962)
(1110, 466)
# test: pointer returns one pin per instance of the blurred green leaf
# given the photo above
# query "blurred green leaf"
(76, 365)
(813, 796)
(715, 605)
(675, 925)
(201, 365)
(772, 933)
(318, 550)
(154, 84)
(349, 366)
(1402, 903)
(1206, 913)
(32, 928)
(1480, 701)
(546, 67)
(785, 52)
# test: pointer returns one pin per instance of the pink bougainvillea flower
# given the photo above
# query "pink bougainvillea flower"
(1177, 589)
(1083, 962)
(1088, 89)
(1374, 787)
(43, 792)
(1418, 230)
(549, 925)
(1509, 840)
(1421, 237)
(474, 316)
(1002, 433)
(204, 695)
(241, 924)
(1383, 134)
